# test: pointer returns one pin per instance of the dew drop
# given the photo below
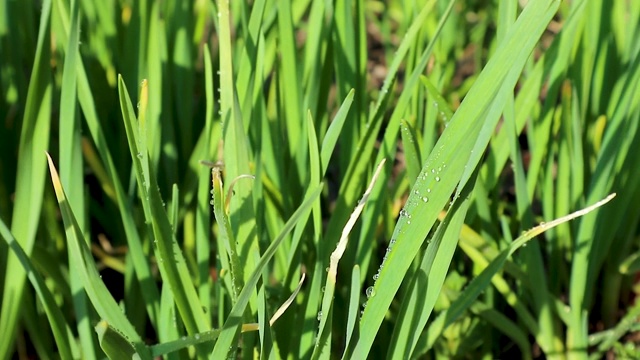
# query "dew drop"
(425, 199)
(437, 178)
(428, 190)
(197, 336)
(376, 277)
(371, 292)
(319, 317)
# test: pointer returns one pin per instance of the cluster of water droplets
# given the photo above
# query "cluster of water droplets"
(441, 113)
(404, 213)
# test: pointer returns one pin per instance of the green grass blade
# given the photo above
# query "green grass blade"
(411, 151)
(232, 325)
(323, 340)
(505, 325)
(479, 283)
(237, 150)
(168, 252)
(116, 346)
(588, 256)
(98, 293)
(455, 156)
(354, 313)
(61, 331)
(203, 222)
(225, 235)
(331, 137)
(427, 281)
(29, 179)
(71, 171)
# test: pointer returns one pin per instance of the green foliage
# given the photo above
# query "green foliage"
(319, 179)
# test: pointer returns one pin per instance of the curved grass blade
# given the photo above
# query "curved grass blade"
(503, 323)
(61, 331)
(479, 283)
(116, 346)
(184, 342)
(98, 293)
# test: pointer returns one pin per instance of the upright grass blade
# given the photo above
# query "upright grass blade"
(142, 268)
(71, 169)
(85, 97)
(168, 253)
(237, 149)
(203, 223)
(586, 259)
(455, 156)
(411, 150)
(30, 177)
(226, 237)
(231, 327)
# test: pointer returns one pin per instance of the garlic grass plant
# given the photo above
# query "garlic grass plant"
(432, 179)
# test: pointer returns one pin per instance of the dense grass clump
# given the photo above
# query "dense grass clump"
(430, 179)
